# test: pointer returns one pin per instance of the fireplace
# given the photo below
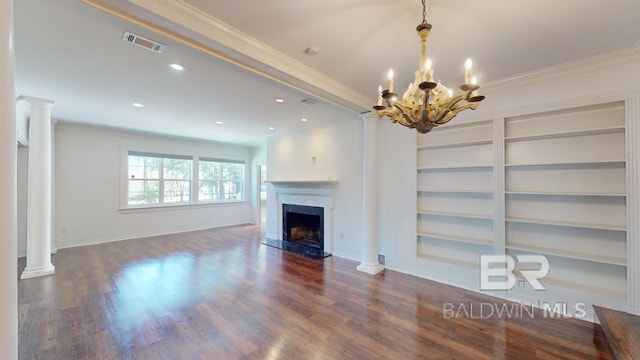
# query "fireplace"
(303, 225)
(303, 222)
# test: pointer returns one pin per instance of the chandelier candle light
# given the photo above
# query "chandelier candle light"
(426, 104)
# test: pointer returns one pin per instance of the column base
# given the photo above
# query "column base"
(37, 271)
(370, 269)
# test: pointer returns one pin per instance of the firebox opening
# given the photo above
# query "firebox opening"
(304, 229)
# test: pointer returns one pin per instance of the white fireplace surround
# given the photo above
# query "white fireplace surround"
(307, 193)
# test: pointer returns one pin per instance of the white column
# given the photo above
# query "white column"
(8, 181)
(632, 110)
(39, 190)
(370, 263)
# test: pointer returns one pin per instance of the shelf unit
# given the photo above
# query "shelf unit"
(550, 183)
(455, 194)
(565, 195)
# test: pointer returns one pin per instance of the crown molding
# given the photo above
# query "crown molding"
(560, 70)
(183, 22)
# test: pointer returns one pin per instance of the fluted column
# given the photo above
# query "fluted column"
(8, 184)
(370, 263)
(39, 195)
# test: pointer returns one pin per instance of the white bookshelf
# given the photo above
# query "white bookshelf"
(455, 194)
(565, 195)
(551, 183)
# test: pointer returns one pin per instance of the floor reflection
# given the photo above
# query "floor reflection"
(151, 288)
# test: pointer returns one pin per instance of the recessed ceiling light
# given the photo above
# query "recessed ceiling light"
(303, 120)
(177, 67)
(272, 128)
(138, 105)
(219, 122)
(279, 100)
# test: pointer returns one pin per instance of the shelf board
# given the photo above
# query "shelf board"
(467, 191)
(463, 215)
(568, 224)
(456, 262)
(606, 130)
(456, 144)
(552, 193)
(621, 295)
(618, 161)
(570, 254)
(458, 238)
(454, 167)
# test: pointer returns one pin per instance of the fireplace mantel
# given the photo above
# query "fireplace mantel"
(303, 183)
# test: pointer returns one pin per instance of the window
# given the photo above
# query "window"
(158, 179)
(220, 180)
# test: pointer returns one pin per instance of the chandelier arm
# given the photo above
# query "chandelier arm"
(454, 112)
(407, 119)
(405, 111)
(440, 117)
(395, 116)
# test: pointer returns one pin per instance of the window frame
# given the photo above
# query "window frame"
(194, 182)
(162, 157)
(221, 180)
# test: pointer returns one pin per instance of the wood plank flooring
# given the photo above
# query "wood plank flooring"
(622, 331)
(220, 294)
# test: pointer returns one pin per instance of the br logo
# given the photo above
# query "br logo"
(497, 271)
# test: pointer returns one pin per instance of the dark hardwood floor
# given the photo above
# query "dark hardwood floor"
(220, 294)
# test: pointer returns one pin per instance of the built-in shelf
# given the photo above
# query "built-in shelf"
(570, 254)
(456, 144)
(453, 167)
(458, 238)
(456, 262)
(557, 193)
(606, 130)
(469, 191)
(568, 224)
(549, 280)
(463, 215)
(618, 161)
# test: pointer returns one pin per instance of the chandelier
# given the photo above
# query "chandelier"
(426, 104)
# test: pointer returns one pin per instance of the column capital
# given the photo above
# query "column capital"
(34, 101)
(369, 116)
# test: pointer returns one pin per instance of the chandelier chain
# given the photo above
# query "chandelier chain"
(424, 12)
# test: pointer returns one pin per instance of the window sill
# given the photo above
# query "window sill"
(131, 210)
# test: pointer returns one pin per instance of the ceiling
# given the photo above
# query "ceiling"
(73, 53)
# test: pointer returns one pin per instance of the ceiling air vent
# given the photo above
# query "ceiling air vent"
(308, 101)
(143, 42)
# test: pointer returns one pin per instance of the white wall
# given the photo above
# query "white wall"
(89, 176)
(397, 195)
(338, 152)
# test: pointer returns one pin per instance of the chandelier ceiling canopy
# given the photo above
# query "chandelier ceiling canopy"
(426, 104)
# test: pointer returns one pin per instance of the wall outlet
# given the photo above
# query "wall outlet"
(380, 259)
